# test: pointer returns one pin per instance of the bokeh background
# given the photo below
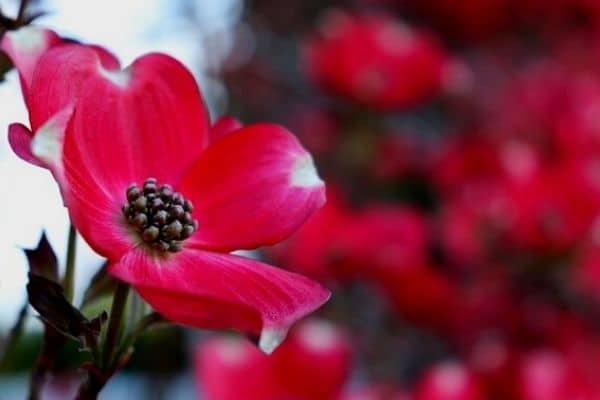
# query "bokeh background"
(460, 141)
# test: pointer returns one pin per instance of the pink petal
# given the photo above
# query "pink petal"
(108, 60)
(320, 345)
(220, 361)
(253, 187)
(24, 47)
(93, 208)
(224, 126)
(214, 290)
(314, 352)
(147, 120)
(376, 391)
(60, 76)
(19, 138)
(449, 380)
(56, 82)
(47, 143)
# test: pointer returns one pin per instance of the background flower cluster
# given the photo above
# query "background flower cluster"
(460, 144)
(460, 141)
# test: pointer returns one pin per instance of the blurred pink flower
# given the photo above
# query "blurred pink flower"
(374, 60)
(313, 364)
(448, 380)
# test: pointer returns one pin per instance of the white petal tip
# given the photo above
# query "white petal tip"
(47, 142)
(120, 77)
(271, 338)
(304, 173)
(27, 39)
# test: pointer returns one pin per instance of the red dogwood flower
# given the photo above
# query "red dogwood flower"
(151, 189)
(313, 364)
(376, 61)
(546, 374)
(448, 380)
(376, 391)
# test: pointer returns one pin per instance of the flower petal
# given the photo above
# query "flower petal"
(147, 120)
(24, 47)
(107, 59)
(223, 126)
(224, 359)
(94, 210)
(47, 143)
(214, 290)
(60, 76)
(19, 138)
(253, 187)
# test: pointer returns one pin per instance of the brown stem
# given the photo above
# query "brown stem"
(69, 278)
(105, 367)
(21, 13)
(13, 337)
(90, 389)
(114, 324)
(53, 340)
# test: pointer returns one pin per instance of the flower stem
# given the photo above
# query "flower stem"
(69, 278)
(13, 337)
(46, 361)
(141, 327)
(114, 323)
(90, 389)
(22, 9)
(104, 366)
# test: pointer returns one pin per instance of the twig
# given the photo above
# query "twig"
(114, 323)
(53, 340)
(69, 278)
(21, 14)
(13, 336)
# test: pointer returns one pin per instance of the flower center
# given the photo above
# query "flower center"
(163, 218)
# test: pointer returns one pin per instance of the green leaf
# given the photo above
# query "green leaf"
(102, 284)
